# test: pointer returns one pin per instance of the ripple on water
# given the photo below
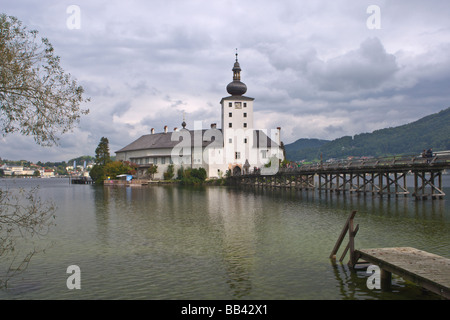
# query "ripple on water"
(181, 243)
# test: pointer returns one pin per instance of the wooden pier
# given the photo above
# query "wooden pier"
(377, 177)
(427, 270)
(80, 180)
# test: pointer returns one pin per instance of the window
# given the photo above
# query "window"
(230, 125)
(245, 140)
(230, 104)
(230, 114)
(230, 140)
(245, 104)
(163, 160)
(237, 155)
(245, 125)
(245, 114)
(264, 154)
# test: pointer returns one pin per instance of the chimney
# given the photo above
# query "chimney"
(279, 136)
(153, 130)
(165, 129)
(213, 125)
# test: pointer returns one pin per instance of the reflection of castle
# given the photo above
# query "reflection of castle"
(237, 146)
(235, 215)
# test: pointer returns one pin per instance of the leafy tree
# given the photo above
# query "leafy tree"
(115, 168)
(192, 176)
(152, 170)
(97, 174)
(102, 156)
(37, 98)
(169, 174)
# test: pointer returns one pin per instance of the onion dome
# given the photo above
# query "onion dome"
(236, 87)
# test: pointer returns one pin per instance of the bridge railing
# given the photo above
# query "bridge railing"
(439, 159)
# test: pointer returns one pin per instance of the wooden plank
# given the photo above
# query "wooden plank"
(428, 270)
(348, 244)
(342, 235)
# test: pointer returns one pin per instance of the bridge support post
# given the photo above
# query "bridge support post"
(422, 179)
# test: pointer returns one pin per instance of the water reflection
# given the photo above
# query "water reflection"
(236, 217)
(173, 242)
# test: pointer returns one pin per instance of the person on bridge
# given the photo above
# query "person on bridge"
(429, 155)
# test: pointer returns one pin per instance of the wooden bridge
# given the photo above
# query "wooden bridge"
(376, 176)
(427, 270)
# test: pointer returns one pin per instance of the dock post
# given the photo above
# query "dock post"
(346, 228)
(385, 280)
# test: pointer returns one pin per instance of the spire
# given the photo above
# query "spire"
(236, 69)
(236, 88)
(183, 124)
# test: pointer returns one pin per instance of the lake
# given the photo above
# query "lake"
(174, 243)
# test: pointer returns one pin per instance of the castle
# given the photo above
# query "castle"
(237, 146)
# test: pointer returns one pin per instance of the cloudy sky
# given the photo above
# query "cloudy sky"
(318, 69)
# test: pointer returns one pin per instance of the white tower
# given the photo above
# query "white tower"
(237, 123)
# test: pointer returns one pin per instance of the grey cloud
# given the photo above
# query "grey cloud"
(366, 68)
(300, 60)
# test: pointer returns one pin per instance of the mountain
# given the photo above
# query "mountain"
(432, 131)
(298, 149)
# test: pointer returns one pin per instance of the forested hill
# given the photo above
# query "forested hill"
(432, 131)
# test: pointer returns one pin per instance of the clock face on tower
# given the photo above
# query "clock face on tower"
(237, 105)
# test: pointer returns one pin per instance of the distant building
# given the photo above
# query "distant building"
(237, 146)
(47, 173)
(13, 170)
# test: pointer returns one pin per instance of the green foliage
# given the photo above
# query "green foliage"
(37, 98)
(432, 131)
(192, 176)
(102, 156)
(152, 170)
(97, 174)
(170, 172)
(80, 160)
(115, 168)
